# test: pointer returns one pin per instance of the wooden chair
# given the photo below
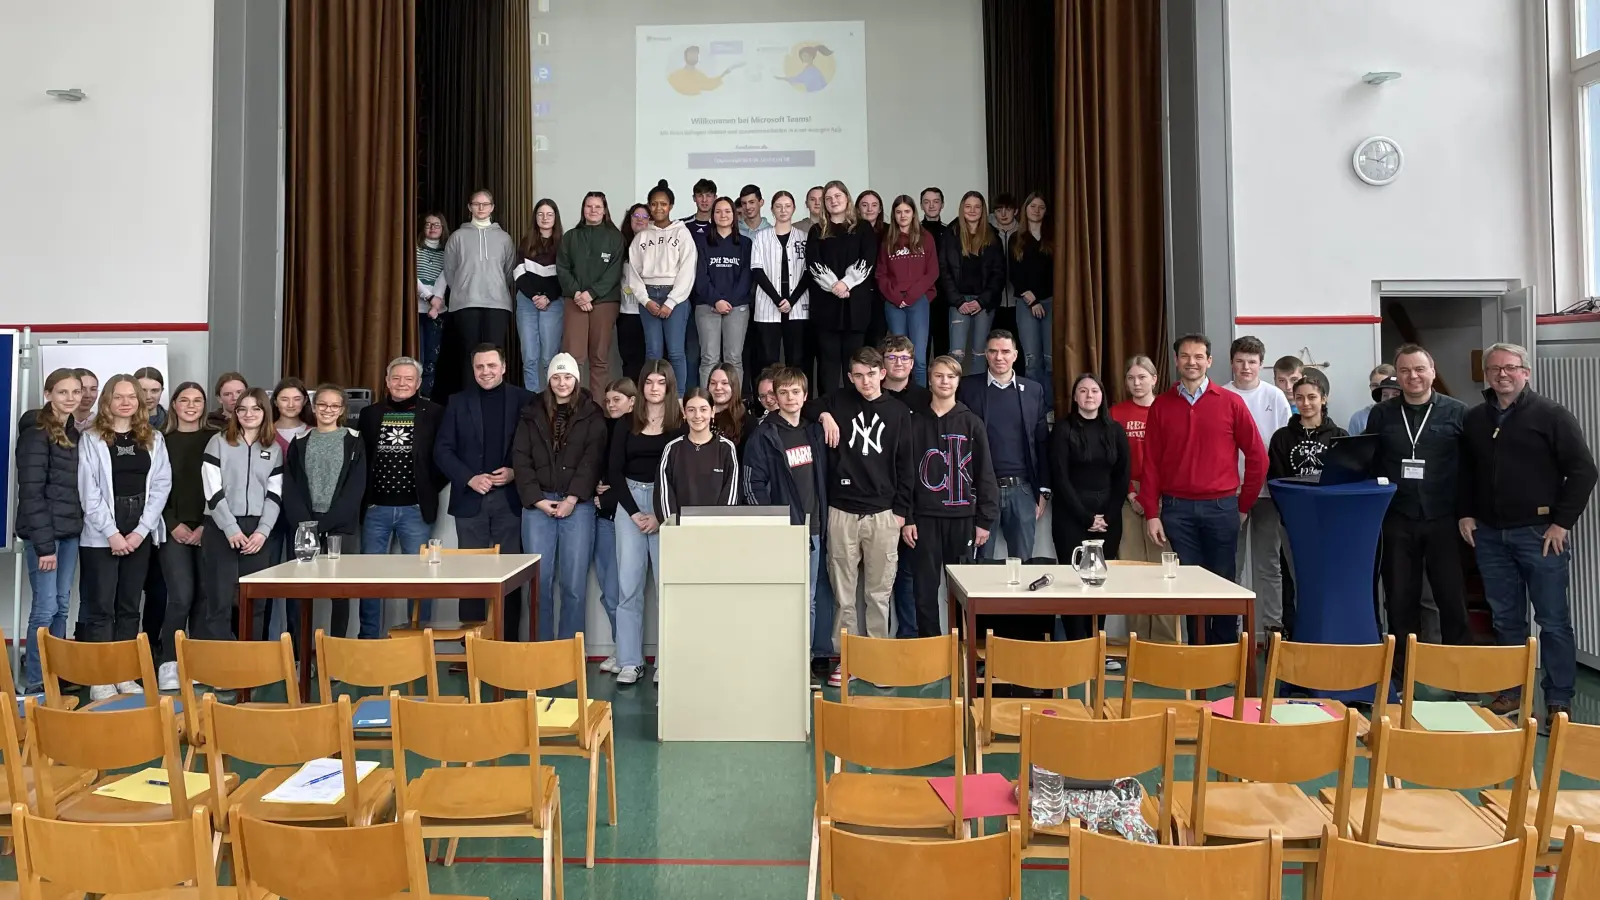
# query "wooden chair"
(1469, 670)
(541, 666)
(894, 738)
(231, 666)
(1181, 667)
(1552, 811)
(386, 665)
(1117, 648)
(1109, 866)
(1094, 750)
(104, 662)
(1580, 866)
(1041, 665)
(9, 686)
(114, 740)
(479, 801)
(19, 785)
(1270, 761)
(150, 860)
(282, 740)
(861, 867)
(372, 862)
(1357, 870)
(1438, 817)
(415, 628)
(1332, 667)
(894, 663)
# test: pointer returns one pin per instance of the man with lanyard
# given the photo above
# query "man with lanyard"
(1526, 476)
(1419, 451)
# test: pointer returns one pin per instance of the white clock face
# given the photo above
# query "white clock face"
(1378, 160)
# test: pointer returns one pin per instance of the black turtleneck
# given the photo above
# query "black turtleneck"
(496, 430)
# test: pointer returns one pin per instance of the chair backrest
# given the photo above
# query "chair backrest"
(1579, 877)
(119, 739)
(1099, 750)
(895, 738)
(1186, 667)
(1276, 754)
(468, 733)
(232, 666)
(861, 867)
(381, 664)
(1572, 748)
(101, 662)
(354, 863)
(1468, 669)
(1046, 665)
(528, 666)
(1355, 870)
(1331, 667)
(8, 686)
(896, 662)
(279, 737)
(1112, 866)
(121, 859)
(1455, 761)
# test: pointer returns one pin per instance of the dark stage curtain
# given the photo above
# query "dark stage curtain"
(1110, 243)
(1019, 51)
(351, 195)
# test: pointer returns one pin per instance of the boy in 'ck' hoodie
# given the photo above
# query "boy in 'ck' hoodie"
(956, 498)
(661, 272)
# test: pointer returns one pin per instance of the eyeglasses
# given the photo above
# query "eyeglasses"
(1504, 370)
(897, 357)
(480, 205)
(330, 407)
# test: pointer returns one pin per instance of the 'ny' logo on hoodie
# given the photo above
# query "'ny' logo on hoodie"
(869, 432)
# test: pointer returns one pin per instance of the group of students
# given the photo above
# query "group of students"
(727, 286)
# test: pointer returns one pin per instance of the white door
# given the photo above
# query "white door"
(1515, 318)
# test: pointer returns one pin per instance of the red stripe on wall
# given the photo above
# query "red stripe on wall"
(1308, 320)
(112, 327)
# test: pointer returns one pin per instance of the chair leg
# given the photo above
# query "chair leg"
(560, 854)
(450, 852)
(1308, 879)
(433, 850)
(611, 772)
(594, 800)
(816, 854)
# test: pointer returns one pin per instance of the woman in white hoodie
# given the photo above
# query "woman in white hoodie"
(660, 274)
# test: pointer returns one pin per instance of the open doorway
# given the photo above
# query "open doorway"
(1451, 328)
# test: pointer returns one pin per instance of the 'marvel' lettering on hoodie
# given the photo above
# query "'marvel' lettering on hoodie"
(948, 469)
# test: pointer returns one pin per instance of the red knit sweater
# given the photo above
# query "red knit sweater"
(1192, 451)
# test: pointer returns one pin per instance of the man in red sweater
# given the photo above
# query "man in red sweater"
(1191, 490)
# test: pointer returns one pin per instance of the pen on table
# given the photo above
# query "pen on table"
(321, 778)
(551, 705)
(157, 782)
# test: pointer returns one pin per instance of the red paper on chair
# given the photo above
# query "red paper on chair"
(989, 794)
(1224, 708)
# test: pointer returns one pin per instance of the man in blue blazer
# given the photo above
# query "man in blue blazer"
(1013, 412)
(474, 451)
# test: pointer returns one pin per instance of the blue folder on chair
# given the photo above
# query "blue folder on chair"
(372, 712)
(125, 702)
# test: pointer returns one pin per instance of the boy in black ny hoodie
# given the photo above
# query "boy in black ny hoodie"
(869, 491)
(956, 497)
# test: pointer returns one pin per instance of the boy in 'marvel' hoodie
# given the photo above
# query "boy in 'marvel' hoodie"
(955, 496)
(661, 272)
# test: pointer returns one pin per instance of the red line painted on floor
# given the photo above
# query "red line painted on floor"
(752, 863)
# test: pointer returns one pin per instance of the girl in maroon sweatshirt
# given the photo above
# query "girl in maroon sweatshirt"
(908, 273)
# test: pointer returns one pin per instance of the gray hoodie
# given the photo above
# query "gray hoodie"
(477, 265)
(242, 480)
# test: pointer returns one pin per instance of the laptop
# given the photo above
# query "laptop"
(1347, 460)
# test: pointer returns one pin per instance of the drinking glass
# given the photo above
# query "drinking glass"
(333, 545)
(1013, 570)
(435, 551)
(1169, 564)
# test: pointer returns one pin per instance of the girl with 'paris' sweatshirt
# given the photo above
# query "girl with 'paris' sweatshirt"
(662, 268)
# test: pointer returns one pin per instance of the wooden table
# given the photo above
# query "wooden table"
(356, 576)
(979, 590)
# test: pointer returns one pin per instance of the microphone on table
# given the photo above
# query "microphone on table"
(1043, 581)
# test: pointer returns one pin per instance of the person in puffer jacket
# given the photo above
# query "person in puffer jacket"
(661, 272)
(49, 512)
(478, 262)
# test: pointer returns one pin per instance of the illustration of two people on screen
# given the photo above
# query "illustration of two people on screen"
(808, 67)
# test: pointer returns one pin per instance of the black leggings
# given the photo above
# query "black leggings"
(834, 349)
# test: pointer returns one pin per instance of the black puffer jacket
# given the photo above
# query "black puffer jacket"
(575, 469)
(48, 506)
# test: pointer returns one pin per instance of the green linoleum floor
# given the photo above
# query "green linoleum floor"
(706, 821)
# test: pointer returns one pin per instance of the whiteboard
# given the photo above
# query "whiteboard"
(104, 357)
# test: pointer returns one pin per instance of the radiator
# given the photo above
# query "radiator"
(1574, 382)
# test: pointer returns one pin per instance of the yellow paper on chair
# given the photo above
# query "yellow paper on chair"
(558, 712)
(150, 786)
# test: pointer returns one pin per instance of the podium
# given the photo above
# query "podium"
(734, 623)
(1333, 538)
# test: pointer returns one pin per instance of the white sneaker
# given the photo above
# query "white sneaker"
(656, 678)
(610, 665)
(130, 687)
(167, 677)
(1113, 664)
(629, 674)
(102, 692)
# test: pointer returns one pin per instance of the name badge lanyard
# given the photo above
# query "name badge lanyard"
(1412, 468)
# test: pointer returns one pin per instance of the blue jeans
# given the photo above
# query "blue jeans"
(430, 335)
(1018, 524)
(1035, 336)
(636, 553)
(1515, 572)
(567, 546)
(905, 599)
(383, 526)
(663, 338)
(539, 331)
(913, 323)
(821, 604)
(52, 596)
(605, 567)
(1206, 533)
(969, 334)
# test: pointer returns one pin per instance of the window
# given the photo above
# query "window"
(1586, 91)
(1588, 26)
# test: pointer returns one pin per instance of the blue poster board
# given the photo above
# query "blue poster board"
(10, 357)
